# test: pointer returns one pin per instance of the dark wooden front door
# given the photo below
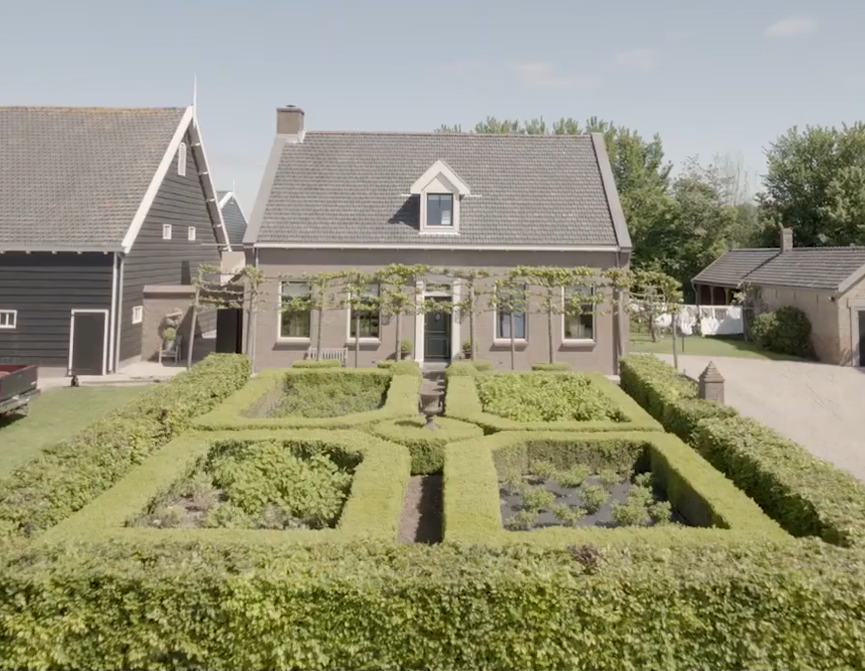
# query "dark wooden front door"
(88, 343)
(229, 331)
(862, 338)
(437, 333)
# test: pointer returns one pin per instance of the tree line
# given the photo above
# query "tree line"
(814, 185)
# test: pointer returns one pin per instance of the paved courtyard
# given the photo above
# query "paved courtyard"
(819, 406)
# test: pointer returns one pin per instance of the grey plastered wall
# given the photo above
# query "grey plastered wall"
(180, 202)
(270, 353)
(158, 302)
(44, 288)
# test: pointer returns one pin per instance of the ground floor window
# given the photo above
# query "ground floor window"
(511, 300)
(579, 314)
(366, 315)
(295, 310)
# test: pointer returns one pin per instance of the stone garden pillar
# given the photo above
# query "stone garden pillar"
(711, 384)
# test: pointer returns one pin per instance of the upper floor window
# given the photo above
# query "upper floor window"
(440, 209)
(137, 314)
(166, 231)
(181, 160)
(190, 233)
(8, 319)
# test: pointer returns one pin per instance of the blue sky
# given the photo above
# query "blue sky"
(709, 77)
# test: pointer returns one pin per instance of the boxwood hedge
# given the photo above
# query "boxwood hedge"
(196, 605)
(317, 363)
(807, 496)
(462, 402)
(238, 411)
(372, 511)
(472, 509)
(67, 476)
(425, 446)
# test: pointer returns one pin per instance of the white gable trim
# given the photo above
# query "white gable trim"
(228, 196)
(209, 186)
(188, 121)
(439, 168)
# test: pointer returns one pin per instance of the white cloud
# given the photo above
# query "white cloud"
(547, 75)
(642, 60)
(792, 26)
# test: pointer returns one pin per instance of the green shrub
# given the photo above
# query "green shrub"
(125, 606)
(461, 369)
(385, 364)
(67, 476)
(315, 395)
(425, 446)
(786, 330)
(317, 363)
(249, 408)
(482, 366)
(262, 472)
(545, 398)
(805, 495)
(462, 401)
(551, 367)
(406, 368)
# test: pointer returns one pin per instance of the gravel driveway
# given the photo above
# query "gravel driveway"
(817, 405)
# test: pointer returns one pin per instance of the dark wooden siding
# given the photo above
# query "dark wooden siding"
(152, 260)
(44, 288)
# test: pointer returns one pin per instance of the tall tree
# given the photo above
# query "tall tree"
(399, 295)
(815, 184)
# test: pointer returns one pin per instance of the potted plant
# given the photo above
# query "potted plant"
(405, 347)
(467, 349)
(169, 338)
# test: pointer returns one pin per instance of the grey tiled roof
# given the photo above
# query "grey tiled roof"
(73, 177)
(802, 267)
(730, 269)
(235, 221)
(810, 267)
(352, 188)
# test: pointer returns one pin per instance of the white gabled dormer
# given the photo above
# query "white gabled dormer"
(440, 190)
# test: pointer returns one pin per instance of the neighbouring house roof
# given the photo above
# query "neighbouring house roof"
(824, 268)
(232, 215)
(340, 188)
(83, 178)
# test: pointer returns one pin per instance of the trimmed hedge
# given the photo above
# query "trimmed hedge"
(482, 366)
(67, 476)
(425, 446)
(267, 388)
(472, 508)
(373, 509)
(807, 496)
(461, 369)
(197, 606)
(317, 363)
(462, 402)
(552, 367)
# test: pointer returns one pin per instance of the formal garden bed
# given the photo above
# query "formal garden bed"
(294, 486)
(264, 485)
(560, 487)
(542, 401)
(337, 398)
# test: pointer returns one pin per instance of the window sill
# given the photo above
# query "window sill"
(363, 341)
(292, 341)
(519, 342)
(579, 342)
(435, 231)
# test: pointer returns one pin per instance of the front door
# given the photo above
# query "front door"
(437, 333)
(862, 338)
(88, 343)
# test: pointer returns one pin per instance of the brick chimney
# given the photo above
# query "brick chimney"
(289, 121)
(786, 239)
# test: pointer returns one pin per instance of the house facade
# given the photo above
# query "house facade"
(335, 201)
(96, 206)
(826, 283)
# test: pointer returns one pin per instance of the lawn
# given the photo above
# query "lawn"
(54, 416)
(734, 346)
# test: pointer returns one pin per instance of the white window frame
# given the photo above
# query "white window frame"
(580, 341)
(8, 320)
(191, 233)
(506, 341)
(348, 322)
(137, 314)
(303, 340)
(181, 159)
(166, 231)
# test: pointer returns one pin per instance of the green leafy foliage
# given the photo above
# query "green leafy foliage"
(786, 330)
(593, 497)
(69, 475)
(425, 446)
(461, 369)
(551, 367)
(573, 476)
(569, 516)
(317, 363)
(331, 396)
(541, 397)
(805, 495)
(537, 498)
(406, 368)
(482, 366)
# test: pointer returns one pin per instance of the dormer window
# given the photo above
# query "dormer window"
(440, 209)
(441, 191)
